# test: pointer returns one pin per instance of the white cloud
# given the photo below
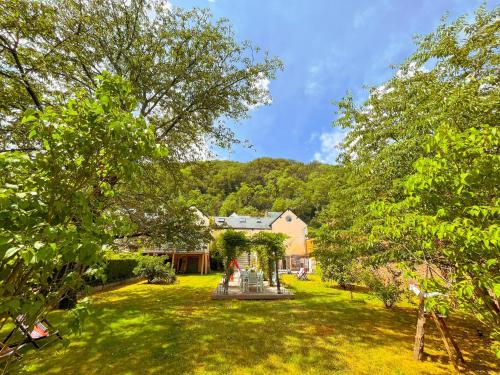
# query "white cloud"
(313, 136)
(321, 73)
(262, 85)
(329, 148)
(211, 1)
(361, 18)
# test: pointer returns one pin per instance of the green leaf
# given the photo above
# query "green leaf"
(29, 118)
(12, 251)
(496, 289)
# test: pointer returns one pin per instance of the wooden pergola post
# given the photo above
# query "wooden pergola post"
(202, 265)
(173, 260)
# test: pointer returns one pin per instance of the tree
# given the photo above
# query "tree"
(272, 250)
(450, 78)
(187, 72)
(386, 287)
(451, 216)
(230, 244)
(337, 264)
(450, 81)
(54, 201)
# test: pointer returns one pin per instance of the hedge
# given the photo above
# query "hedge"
(120, 269)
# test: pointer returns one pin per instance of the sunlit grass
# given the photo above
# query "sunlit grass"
(178, 329)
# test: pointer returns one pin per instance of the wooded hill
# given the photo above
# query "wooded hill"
(221, 187)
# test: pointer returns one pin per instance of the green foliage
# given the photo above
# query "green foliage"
(120, 269)
(419, 168)
(230, 244)
(450, 217)
(188, 74)
(270, 249)
(53, 202)
(155, 270)
(452, 77)
(188, 71)
(386, 288)
(342, 270)
(265, 184)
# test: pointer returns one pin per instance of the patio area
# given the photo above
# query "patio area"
(242, 289)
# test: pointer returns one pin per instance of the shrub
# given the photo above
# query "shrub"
(343, 270)
(155, 270)
(387, 289)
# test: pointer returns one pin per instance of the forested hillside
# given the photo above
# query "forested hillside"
(222, 187)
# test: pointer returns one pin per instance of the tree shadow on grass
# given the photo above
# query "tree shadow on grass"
(355, 288)
(176, 329)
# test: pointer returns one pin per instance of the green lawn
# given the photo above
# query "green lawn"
(178, 329)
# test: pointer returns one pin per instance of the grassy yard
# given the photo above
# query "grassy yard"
(178, 329)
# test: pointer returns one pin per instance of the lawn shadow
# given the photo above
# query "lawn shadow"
(173, 329)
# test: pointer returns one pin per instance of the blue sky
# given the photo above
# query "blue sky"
(328, 47)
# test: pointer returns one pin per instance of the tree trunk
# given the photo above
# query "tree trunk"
(418, 349)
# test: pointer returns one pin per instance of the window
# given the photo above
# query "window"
(288, 218)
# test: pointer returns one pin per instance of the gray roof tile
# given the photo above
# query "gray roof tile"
(246, 222)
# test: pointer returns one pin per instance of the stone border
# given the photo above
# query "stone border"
(253, 296)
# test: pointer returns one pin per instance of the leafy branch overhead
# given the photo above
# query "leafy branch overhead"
(100, 103)
(187, 72)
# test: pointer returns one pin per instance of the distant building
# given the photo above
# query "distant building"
(298, 247)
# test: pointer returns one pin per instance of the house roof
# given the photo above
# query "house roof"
(236, 221)
(274, 214)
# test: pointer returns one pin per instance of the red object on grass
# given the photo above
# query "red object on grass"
(234, 263)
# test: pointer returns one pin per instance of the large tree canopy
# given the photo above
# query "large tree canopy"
(187, 72)
(100, 101)
(56, 215)
(442, 210)
(452, 77)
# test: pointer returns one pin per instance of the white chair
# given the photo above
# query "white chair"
(252, 280)
(243, 280)
(302, 275)
(260, 282)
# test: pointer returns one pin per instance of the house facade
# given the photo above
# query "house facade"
(298, 247)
